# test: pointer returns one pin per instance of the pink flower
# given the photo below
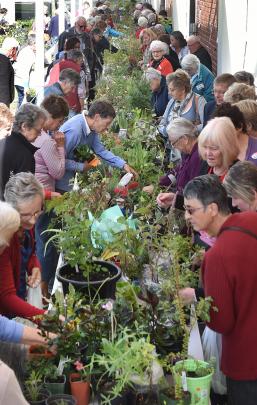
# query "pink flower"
(79, 366)
(108, 306)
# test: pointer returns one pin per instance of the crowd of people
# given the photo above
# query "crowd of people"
(208, 124)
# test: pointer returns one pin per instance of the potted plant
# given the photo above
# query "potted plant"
(34, 391)
(126, 361)
(31, 95)
(80, 384)
(82, 268)
(54, 381)
(194, 376)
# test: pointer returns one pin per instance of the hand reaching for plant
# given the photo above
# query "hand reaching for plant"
(129, 169)
(165, 200)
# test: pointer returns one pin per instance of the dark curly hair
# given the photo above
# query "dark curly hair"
(232, 112)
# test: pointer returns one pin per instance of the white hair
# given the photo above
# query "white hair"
(191, 64)
(151, 74)
(9, 222)
(181, 127)
(159, 45)
(142, 22)
(9, 43)
(22, 187)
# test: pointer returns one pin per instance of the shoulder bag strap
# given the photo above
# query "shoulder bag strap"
(239, 229)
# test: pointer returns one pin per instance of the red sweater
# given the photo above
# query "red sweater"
(230, 276)
(72, 98)
(10, 262)
(164, 67)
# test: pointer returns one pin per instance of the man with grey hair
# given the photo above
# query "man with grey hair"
(201, 77)
(23, 67)
(79, 31)
(195, 47)
(16, 150)
(68, 80)
(158, 86)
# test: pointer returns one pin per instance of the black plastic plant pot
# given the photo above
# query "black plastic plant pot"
(43, 396)
(61, 399)
(102, 283)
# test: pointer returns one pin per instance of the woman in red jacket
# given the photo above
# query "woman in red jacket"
(18, 262)
(160, 62)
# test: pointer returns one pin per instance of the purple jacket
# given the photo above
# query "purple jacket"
(191, 166)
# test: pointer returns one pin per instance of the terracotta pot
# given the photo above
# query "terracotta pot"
(80, 389)
(35, 352)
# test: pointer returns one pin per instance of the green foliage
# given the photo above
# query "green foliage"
(121, 359)
(19, 31)
(83, 153)
(33, 385)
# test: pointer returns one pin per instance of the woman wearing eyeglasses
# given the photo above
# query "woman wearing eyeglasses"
(18, 263)
(218, 146)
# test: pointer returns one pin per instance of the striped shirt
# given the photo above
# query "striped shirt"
(50, 161)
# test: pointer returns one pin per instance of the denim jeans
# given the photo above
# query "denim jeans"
(48, 258)
(20, 91)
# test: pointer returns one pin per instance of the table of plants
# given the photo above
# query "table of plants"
(121, 329)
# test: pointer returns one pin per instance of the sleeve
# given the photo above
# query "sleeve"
(72, 141)
(10, 303)
(164, 121)
(54, 158)
(106, 155)
(208, 89)
(114, 33)
(10, 331)
(217, 286)
(201, 104)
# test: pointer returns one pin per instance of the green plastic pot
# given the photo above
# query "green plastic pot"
(55, 387)
(199, 387)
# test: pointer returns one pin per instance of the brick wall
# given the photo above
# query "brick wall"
(207, 26)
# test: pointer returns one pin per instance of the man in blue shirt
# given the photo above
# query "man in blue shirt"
(83, 130)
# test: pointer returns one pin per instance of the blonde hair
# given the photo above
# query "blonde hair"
(220, 132)
(9, 222)
(239, 91)
(241, 181)
(6, 118)
(249, 110)
(149, 32)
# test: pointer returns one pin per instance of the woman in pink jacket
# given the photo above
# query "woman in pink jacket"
(50, 166)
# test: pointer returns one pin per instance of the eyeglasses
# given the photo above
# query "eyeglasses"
(159, 51)
(191, 211)
(82, 26)
(29, 216)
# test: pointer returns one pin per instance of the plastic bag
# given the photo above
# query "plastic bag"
(212, 347)
(34, 297)
(195, 348)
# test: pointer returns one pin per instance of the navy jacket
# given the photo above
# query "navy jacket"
(209, 109)
(160, 98)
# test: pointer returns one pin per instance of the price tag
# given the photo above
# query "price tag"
(61, 365)
(184, 380)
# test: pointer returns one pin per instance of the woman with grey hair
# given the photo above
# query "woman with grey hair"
(158, 86)
(201, 77)
(16, 150)
(183, 136)
(18, 262)
(160, 62)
